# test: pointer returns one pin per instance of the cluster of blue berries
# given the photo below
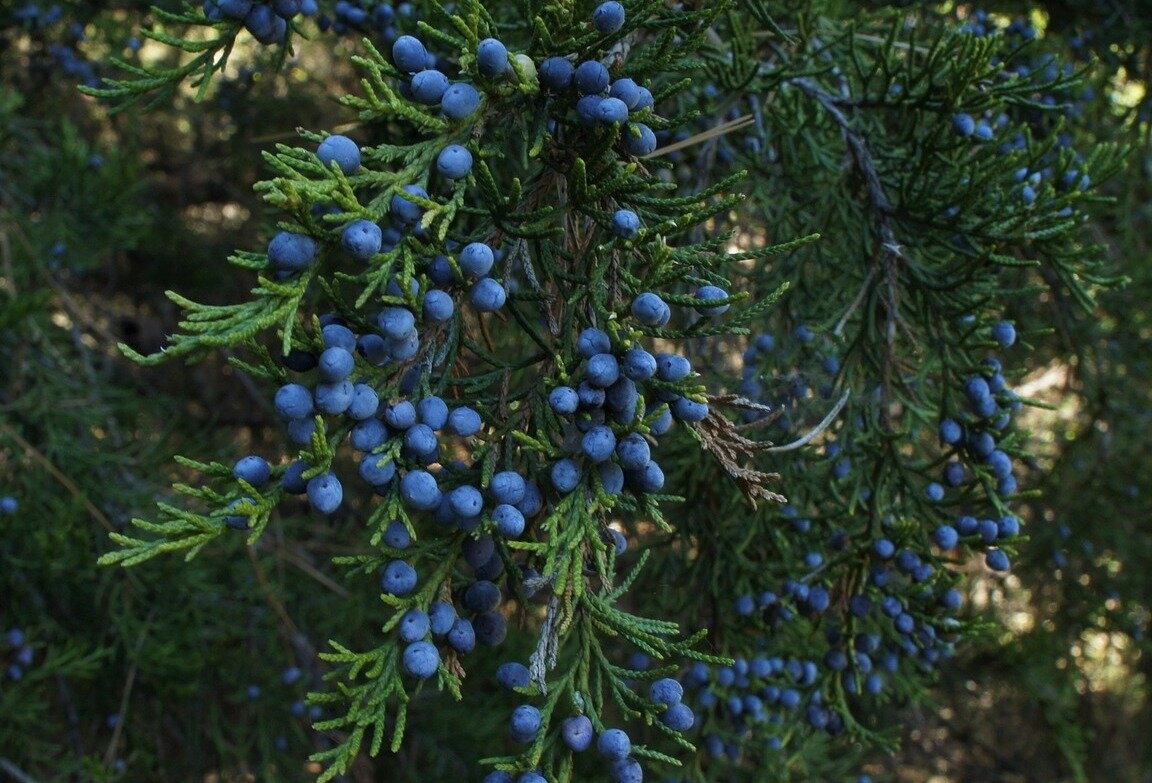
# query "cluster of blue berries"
(9, 504)
(610, 417)
(1061, 103)
(61, 50)
(788, 376)
(266, 21)
(18, 652)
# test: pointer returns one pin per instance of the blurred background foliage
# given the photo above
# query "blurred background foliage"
(189, 671)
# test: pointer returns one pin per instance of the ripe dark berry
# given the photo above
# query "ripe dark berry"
(421, 659)
(709, 292)
(476, 259)
(409, 54)
(625, 223)
(614, 744)
(487, 295)
(525, 723)
(556, 74)
(398, 578)
(454, 162)
(639, 140)
(419, 490)
(414, 625)
(459, 101)
(291, 252)
(608, 17)
(591, 78)
(428, 87)
(577, 733)
(340, 150)
(253, 469)
(362, 239)
(492, 58)
(1004, 333)
(649, 309)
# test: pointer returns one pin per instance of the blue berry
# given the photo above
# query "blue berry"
(291, 252)
(512, 674)
(593, 341)
(409, 54)
(638, 364)
(419, 490)
(1004, 333)
(396, 535)
(591, 78)
(650, 310)
(325, 493)
(608, 17)
(405, 211)
(465, 422)
(627, 770)
(963, 124)
(237, 521)
(265, 26)
(466, 501)
(556, 73)
(459, 101)
(398, 578)
(525, 723)
(414, 625)
(626, 90)
(598, 443)
(507, 486)
(997, 560)
(614, 744)
(340, 150)
(666, 691)
(603, 370)
(672, 367)
(438, 305)
(421, 443)
(428, 87)
(334, 398)
(362, 239)
(711, 292)
(293, 401)
(625, 223)
(482, 596)
(690, 410)
(639, 140)
(946, 537)
(253, 469)
(563, 400)
(441, 616)
(462, 636)
(492, 58)
(293, 481)
(950, 432)
(611, 111)
(368, 435)
(433, 411)
(678, 717)
(400, 415)
(565, 475)
(421, 659)
(487, 295)
(577, 733)
(335, 364)
(476, 259)
(454, 162)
